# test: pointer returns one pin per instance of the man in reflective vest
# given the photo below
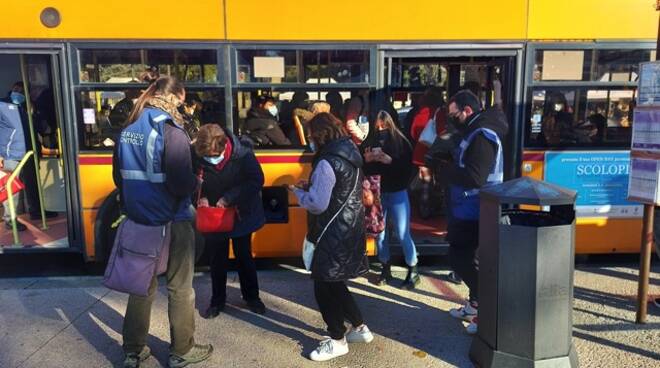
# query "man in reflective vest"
(478, 162)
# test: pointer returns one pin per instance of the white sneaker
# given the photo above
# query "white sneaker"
(466, 312)
(329, 349)
(472, 327)
(359, 334)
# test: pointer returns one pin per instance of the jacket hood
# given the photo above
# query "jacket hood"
(344, 148)
(493, 119)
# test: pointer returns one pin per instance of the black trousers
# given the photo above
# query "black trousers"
(463, 260)
(337, 305)
(247, 271)
(29, 178)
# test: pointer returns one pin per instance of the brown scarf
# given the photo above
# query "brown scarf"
(169, 104)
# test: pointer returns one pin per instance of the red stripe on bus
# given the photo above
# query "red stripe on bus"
(534, 156)
(95, 160)
(102, 160)
(285, 159)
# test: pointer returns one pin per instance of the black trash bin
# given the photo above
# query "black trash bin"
(526, 264)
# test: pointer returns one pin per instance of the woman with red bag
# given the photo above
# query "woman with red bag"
(232, 178)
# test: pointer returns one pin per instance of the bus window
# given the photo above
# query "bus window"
(139, 66)
(266, 66)
(111, 80)
(619, 65)
(562, 65)
(580, 117)
(336, 66)
(583, 98)
(285, 124)
(103, 113)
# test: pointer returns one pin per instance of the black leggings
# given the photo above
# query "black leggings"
(247, 271)
(463, 260)
(336, 305)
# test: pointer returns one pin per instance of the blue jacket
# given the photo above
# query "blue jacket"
(12, 138)
(239, 182)
(479, 162)
(153, 170)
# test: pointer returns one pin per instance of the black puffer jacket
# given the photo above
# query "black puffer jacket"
(240, 182)
(263, 129)
(341, 253)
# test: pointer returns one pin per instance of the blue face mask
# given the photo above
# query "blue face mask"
(17, 98)
(312, 146)
(215, 159)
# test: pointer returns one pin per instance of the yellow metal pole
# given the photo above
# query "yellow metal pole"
(35, 146)
(10, 198)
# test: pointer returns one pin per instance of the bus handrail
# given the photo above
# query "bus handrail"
(10, 198)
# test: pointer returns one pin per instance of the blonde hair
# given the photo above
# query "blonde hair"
(319, 107)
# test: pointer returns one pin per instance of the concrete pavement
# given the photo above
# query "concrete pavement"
(75, 322)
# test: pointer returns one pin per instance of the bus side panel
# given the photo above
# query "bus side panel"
(592, 19)
(603, 235)
(377, 20)
(95, 180)
(118, 19)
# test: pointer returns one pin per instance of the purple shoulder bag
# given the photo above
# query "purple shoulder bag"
(140, 253)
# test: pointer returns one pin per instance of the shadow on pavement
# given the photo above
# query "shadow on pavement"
(387, 313)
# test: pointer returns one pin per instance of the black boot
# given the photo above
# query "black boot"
(412, 278)
(385, 275)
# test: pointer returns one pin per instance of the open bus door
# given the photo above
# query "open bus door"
(45, 213)
(491, 74)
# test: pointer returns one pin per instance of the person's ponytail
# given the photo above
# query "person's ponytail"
(162, 86)
(141, 102)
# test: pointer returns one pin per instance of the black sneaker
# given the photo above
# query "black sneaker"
(47, 214)
(214, 311)
(256, 306)
(19, 226)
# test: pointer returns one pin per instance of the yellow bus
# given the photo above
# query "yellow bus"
(564, 72)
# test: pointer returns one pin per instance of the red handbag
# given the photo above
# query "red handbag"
(16, 186)
(214, 219)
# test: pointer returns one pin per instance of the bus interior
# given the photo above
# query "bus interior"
(35, 76)
(491, 78)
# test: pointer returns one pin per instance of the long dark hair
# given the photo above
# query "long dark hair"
(162, 86)
(398, 138)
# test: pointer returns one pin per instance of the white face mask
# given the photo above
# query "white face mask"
(559, 107)
(215, 159)
(273, 110)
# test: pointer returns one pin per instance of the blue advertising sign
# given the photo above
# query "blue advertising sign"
(600, 178)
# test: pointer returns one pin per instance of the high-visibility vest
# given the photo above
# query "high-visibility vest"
(145, 198)
(464, 201)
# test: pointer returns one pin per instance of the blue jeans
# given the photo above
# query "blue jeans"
(396, 207)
